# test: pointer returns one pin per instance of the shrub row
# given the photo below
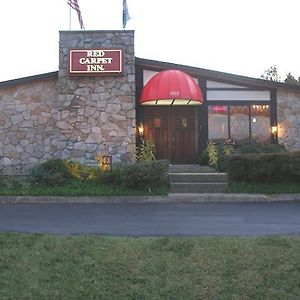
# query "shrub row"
(265, 167)
(144, 174)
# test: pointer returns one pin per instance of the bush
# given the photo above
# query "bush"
(53, 172)
(146, 174)
(265, 167)
(80, 171)
(261, 148)
(114, 176)
(145, 151)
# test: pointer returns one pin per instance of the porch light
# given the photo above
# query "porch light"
(140, 129)
(274, 130)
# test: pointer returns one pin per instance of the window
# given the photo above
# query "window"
(244, 124)
(239, 123)
(218, 122)
(260, 123)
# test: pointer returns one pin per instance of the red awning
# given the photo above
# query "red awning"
(171, 87)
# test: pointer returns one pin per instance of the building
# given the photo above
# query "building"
(97, 99)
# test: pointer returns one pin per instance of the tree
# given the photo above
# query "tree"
(271, 74)
(290, 79)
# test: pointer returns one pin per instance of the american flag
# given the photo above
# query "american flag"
(74, 4)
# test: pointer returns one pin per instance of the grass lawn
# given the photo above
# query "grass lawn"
(263, 188)
(76, 188)
(94, 267)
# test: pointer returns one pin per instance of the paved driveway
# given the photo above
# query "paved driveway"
(153, 219)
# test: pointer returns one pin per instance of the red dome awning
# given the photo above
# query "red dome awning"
(171, 87)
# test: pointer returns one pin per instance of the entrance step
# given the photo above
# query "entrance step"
(196, 179)
(201, 187)
(190, 169)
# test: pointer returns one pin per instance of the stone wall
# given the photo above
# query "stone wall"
(97, 114)
(288, 115)
(27, 125)
(70, 118)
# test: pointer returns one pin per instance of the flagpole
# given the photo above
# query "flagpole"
(70, 17)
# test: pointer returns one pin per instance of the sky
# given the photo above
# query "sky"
(243, 37)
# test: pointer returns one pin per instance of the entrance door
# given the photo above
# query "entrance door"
(174, 130)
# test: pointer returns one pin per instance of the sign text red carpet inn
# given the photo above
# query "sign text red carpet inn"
(95, 61)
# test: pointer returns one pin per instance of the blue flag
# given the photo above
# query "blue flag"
(126, 16)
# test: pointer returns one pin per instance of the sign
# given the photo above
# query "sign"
(95, 61)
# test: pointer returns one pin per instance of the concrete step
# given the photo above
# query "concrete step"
(190, 169)
(202, 187)
(198, 177)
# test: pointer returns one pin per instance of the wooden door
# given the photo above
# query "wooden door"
(174, 130)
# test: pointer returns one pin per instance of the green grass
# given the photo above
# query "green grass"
(263, 188)
(76, 188)
(94, 267)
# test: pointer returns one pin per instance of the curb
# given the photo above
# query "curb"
(170, 198)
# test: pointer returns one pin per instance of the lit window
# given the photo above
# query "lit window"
(217, 122)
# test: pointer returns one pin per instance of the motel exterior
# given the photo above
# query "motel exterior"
(102, 93)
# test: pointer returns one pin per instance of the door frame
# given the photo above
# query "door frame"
(170, 112)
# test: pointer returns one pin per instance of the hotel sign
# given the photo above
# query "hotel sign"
(95, 61)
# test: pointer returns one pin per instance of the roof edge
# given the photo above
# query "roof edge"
(215, 75)
(28, 79)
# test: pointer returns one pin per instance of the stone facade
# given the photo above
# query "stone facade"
(27, 125)
(288, 117)
(96, 114)
(71, 118)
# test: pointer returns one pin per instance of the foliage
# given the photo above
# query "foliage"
(271, 74)
(38, 266)
(113, 177)
(290, 79)
(260, 148)
(54, 172)
(265, 167)
(81, 172)
(212, 152)
(216, 154)
(263, 188)
(145, 151)
(146, 174)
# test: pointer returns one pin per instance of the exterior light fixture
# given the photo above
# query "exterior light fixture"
(141, 129)
(274, 130)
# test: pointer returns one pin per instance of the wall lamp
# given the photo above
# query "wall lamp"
(274, 131)
(141, 129)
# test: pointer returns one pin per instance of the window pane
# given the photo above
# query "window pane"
(239, 124)
(217, 122)
(260, 124)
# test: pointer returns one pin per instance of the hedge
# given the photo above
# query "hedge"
(265, 167)
(146, 174)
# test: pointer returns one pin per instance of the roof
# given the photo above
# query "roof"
(215, 75)
(29, 79)
(159, 65)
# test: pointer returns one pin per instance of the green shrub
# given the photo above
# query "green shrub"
(146, 174)
(113, 177)
(213, 155)
(261, 148)
(265, 167)
(53, 172)
(145, 151)
(80, 171)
